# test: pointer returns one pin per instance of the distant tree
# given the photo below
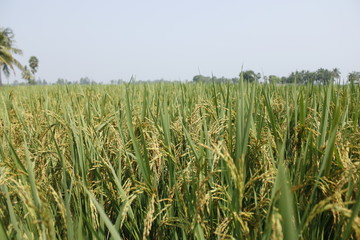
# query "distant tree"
(201, 78)
(291, 78)
(34, 64)
(266, 78)
(118, 81)
(206, 79)
(258, 76)
(274, 79)
(251, 76)
(219, 80)
(321, 76)
(26, 74)
(197, 78)
(86, 80)
(324, 76)
(235, 80)
(61, 81)
(336, 74)
(7, 60)
(354, 77)
(304, 77)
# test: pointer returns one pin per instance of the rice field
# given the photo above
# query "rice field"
(180, 161)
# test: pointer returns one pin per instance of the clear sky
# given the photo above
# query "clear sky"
(155, 39)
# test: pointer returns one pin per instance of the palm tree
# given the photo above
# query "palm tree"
(34, 64)
(336, 73)
(26, 74)
(7, 60)
(354, 77)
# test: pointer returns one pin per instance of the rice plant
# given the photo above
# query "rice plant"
(180, 161)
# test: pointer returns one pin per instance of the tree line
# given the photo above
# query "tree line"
(320, 76)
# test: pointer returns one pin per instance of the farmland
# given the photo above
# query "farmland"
(180, 161)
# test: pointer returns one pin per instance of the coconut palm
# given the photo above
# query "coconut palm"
(34, 64)
(336, 73)
(354, 77)
(26, 74)
(7, 60)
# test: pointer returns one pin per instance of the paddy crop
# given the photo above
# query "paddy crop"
(180, 161)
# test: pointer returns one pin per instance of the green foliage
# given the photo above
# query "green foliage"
(180, 161)
(34, 64)
(213, 79)
(27, 75)
(354, 77)
(201, 78)
(86, 81)
(61, 81)
(274, 79)
(251, 76)
(321, 76)
(7, 52)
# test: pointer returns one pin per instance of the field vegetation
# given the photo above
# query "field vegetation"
(180, 161)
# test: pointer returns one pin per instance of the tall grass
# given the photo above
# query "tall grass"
(180, 161)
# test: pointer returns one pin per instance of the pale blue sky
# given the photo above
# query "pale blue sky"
(106, 40)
